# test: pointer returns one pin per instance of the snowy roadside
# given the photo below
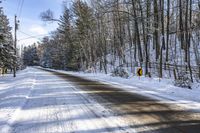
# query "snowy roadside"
(163, 90)
(13, 95)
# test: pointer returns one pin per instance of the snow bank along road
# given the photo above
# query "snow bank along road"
(43, 101)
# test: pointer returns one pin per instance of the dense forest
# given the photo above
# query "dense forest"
(161, 36)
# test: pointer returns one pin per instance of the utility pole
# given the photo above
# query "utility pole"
(15, 47)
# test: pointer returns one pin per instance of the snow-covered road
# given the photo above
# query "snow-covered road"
(39, 101)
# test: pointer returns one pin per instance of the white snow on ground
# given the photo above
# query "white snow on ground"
(40, 102)
(161, 89)
(13, 95)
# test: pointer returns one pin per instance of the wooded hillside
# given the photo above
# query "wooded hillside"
(161, 36)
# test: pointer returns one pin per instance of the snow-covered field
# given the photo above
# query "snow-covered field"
(161, 89)
(40, 102)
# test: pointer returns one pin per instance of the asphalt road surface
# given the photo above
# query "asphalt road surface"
(141, 113)
(44, 101)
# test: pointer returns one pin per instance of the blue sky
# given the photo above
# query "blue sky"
(30, 22)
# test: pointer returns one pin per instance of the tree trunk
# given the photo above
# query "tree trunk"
(137, 34)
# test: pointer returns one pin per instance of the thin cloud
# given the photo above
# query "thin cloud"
(37, 29)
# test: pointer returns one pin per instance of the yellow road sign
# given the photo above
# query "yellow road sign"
(139, 72)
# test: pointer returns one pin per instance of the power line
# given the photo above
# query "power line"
(30, 37)
(20, 11)
(18, 6)
(36, 37)
(25, 33)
